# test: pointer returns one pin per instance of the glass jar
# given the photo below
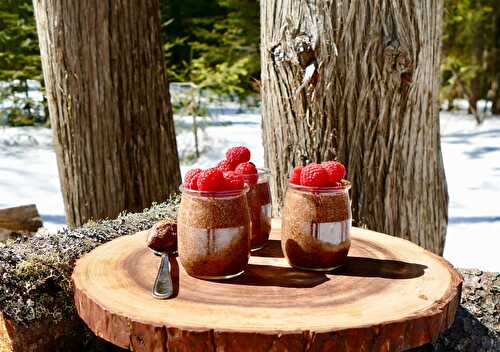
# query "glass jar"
(214, 233)
(259, 202)
(316, 226)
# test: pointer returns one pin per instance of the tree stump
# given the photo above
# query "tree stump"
(390, 296)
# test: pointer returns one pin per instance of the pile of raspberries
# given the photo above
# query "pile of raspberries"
(229, 174)
(326, 174)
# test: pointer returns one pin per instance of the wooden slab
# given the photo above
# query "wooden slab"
(18, 221)
(392, 295)
(22, 218)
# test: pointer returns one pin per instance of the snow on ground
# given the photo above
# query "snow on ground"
(471, 155)
(28, 174)
(216, 135)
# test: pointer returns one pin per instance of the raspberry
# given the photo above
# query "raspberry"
(246, 169)
(313, 175)
(191, 178)
(335, 170)
(211, 180)
(249, 172)
(193, 184)
(295, 175)
(233, 181)
(225, 165)
(238, 155)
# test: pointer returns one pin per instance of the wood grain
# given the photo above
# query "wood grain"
(391, 295)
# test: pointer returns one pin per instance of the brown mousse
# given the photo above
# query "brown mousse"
(259, 195)
(304, 214)
(214, 235)
(163, 236)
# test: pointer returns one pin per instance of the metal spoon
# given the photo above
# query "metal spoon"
(163, 287)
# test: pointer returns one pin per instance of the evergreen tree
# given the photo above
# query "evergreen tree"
(217, 45)
(19, 51)
(19, 58)
(468, 66)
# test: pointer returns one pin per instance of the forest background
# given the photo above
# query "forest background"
(214, 45)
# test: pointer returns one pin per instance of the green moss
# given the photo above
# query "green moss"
(35, 273)
(38, 267)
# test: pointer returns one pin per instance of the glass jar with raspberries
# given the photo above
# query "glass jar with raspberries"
(317, 217)
(259, 193)
(214, 224)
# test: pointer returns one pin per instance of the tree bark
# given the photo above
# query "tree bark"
(476, 84)
(495, 106)
(109, 105)
(473, 99)
(358, 81)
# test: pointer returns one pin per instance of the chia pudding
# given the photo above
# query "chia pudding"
(214, 233)
(163, 236)
(259, 202)
(316, 226)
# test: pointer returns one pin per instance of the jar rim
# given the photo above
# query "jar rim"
(262, 176)
(261, 171)
(344, 186)
(215, 194)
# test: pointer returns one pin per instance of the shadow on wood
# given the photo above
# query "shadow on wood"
(384, 268)
(174, 273)
(269, 275)
(271, 250)
(354, 266)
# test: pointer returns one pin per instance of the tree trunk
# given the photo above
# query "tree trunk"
(475, 84)
(473, 99)
(27, 105)
(109, 105)
(495, 105)
(358, 81)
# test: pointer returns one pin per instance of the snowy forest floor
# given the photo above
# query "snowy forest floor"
(28, 174)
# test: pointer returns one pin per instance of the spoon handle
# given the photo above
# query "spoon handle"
(163, 287)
